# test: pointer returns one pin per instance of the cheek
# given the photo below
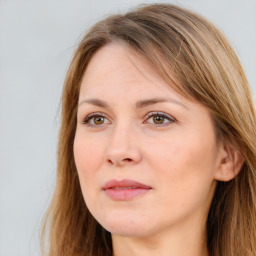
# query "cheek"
(184, 174)
(88, 155)
(185, 159)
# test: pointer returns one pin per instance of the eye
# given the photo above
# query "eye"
(159, 119)
(95, 119)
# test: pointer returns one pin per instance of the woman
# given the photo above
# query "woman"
(157, 142)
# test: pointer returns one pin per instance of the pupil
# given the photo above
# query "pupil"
(158, 119)
(98, 120)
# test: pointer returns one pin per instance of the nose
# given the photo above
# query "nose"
(123, 148)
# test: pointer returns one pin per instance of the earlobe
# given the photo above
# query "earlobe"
(230, 163)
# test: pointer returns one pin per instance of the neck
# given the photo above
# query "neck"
(177, 242)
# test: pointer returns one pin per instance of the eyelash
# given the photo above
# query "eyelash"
(163, 115)
(90, 116)
(170, 119)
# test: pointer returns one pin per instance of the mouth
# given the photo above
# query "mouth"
(125, 190)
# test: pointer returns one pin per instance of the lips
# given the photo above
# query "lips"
(124, 190)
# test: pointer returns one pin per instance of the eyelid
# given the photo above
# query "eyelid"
(170, 118)
(94, 114)
(162, 114)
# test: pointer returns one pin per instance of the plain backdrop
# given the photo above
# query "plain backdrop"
(37, 39)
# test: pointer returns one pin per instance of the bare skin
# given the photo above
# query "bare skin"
(132, 125)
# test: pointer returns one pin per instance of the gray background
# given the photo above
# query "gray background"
(37, 39)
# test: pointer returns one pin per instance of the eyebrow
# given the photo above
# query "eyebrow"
(148, 102)
(139, 104)
(95, 102)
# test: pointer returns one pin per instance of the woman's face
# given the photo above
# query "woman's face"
(145, 155)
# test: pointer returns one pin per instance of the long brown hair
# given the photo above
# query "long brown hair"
(193, 55)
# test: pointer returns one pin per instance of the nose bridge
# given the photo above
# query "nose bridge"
(122, 145)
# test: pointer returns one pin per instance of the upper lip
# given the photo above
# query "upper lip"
(124, 183)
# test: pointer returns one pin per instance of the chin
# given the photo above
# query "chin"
(126, 226)
(126, 230)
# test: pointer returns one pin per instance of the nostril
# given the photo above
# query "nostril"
(127, 159)
(109, 161)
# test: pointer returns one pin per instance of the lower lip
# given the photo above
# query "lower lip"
(125, 194)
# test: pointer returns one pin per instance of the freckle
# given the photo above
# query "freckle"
(131, 222)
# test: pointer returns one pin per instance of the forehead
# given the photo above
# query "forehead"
(117, 69)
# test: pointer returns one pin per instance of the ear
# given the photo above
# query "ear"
(230, 162)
